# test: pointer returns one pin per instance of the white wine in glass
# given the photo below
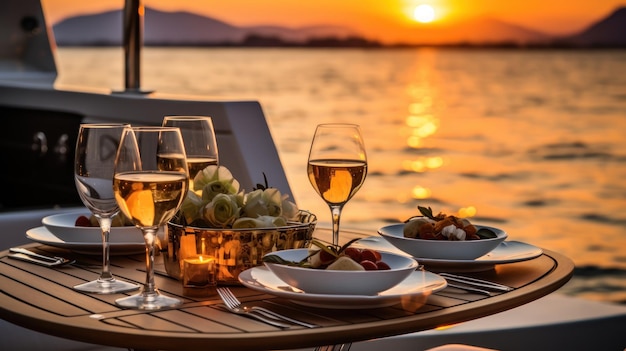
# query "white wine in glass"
(150, 183)
(337, 166)
(96, 148)
(200, 142)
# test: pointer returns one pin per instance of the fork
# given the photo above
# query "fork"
(30, 256)
(232, 308)
(233, 304)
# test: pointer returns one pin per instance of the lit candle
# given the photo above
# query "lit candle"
(198, 271)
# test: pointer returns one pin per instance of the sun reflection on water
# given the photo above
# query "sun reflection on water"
(423, 164)
(419, 192)
(465, 212)
(422, 124)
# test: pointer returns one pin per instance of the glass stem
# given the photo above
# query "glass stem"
(335, 210)
(149, 235)
(105, 226)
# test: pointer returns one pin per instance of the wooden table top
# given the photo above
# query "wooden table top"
(43, 299)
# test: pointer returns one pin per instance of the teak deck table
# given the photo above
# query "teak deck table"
(42, 299)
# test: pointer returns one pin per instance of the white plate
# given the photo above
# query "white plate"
(506, 252)
(411, 292)
(63, 227)
(93, 247)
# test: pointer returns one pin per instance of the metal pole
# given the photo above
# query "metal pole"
(133, 38)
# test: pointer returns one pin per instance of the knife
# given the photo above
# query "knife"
(476, 282)
(470, 289)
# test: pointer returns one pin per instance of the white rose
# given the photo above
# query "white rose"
(215, 179)
(222, 210)
(290, 209)
(260, 202)
(271, 221)
(191, 207)
(247, 222)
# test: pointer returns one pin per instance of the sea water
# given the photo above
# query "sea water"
(531, 141)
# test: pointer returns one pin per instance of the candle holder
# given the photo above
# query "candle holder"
(198, 275)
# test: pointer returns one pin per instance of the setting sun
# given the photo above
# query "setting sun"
(424, 13)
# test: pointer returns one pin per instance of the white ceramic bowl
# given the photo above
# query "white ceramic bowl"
(442, 249)
(63, 227)
(338, 282)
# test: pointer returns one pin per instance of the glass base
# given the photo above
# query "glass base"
(111, 286)
(154, 301)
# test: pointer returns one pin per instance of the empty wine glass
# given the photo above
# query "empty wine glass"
(337, 166)
(93, 174)
(200, 142)
(150, 183)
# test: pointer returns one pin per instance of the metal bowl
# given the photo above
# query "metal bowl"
(235, 250)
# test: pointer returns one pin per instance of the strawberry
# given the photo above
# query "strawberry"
(82, 221)
(326, 257)
(353, 253)
(382, 266)
(370, 255)
(369, 265)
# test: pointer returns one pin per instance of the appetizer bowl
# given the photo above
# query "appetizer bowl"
(341, 282)
(442, 249)
(64, 227)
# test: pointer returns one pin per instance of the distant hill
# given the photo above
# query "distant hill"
(479, 31)
(189, 29)
(607, 32)
(177, 28)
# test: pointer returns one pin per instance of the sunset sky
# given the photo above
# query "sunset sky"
(382, 20)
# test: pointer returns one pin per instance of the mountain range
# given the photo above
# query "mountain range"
(608, 32)
(177, 28)
(189, 29)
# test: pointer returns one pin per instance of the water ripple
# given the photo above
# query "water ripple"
(570, 151)
(539, 202)
(601, 218)
(593, 282)
(599, 272)
(497, 177)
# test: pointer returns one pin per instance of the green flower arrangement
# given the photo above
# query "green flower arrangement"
(216, 201)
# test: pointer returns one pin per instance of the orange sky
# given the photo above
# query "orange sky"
(376, 19)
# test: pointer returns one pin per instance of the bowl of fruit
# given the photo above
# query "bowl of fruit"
(82, 227)
(342, 270)
(442, 237)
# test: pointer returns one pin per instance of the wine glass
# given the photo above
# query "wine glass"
(150, 183)
(200, 142)
(93, 174)
(337, 166)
